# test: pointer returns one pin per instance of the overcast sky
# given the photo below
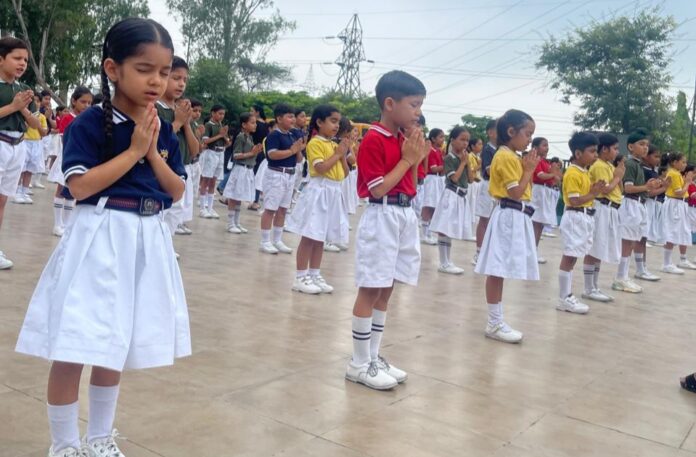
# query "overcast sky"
(474, 56)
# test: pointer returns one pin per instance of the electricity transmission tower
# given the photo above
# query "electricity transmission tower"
(310, 86)
(348, 82)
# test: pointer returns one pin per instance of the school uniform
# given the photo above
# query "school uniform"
(653, 205)
(387, 241)
(279, 176)
(193, 171)
(240, 185)
(301, 174)
(484, 202)
(212, 158)
(633, 215)
(320, 213)
(452, 217)
(691, 201)
(509, 247)
(111, 294)
(676, 222)
(544, 195)
(12, 147)
(472, 194)
(34, 160)
(418, 199)
(434, 182)
(577, 223)
(350, 190)
(606, 241)
(55, 174)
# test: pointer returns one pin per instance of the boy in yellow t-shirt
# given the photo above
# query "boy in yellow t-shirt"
(33, 160)
(606, 244)
(577, 224)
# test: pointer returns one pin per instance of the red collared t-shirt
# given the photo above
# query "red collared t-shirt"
(544, 166)
(435, 159)
(379, 153)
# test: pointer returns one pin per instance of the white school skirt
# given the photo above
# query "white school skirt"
(544, 200)
(634, 220)
(471, 199)
(692, 218)
(577, 233)
(34, 160)
(432, 190)
(260, 173)
(452, 217)
(509, 247)
(655, 229)
(417, 202)
(606, 243)
(55, 174)
(240, 185)
(187, 201)
(111, 295)
(349, 188)
(320, 213)
(675, 221)
(485, 203)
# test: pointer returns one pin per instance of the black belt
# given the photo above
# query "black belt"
(635, 197)
(581, 209)
(660, 198)
(398, 200)
(290, 171)
(143, 206)
(606, 201)
(14, 141)
(241, 164)
(421, 181)
(461, 191)
(550, 186)
(519, 206)
(677, 198)
(434, 174)
(219, 149)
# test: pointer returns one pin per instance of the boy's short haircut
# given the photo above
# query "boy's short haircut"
(244, 118)
(178, 62)
(281, 109)
(536, 142)
(45, 93)
(581, 140)
(653, 149)
(554, 160)
(396, 85)
(606, 140)
(637, 135)
(9, 44)
(491, 125)
(299, 111)
(216, 108)
(344, 126)
(195, 103)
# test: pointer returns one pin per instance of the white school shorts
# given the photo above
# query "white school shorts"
(277, 189)
(211, 164)
(240, 185)
(387, 246)
(417, 202)
(655, 228)
(55, 174)
(111, 295)
(544, 201)
(452, 217)
(634, 220)
(606, 242)
(11, 163)
(432, 190)
(260, 174)
(577, 233)
(320, 213)
(196, 177)
(485, 202)
(34, 160)
(676, 222)
(509, 247)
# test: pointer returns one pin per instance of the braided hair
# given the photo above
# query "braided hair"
(124, 39)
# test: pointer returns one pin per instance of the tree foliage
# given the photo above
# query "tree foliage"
(617, 70)
(681, 126)
(476, 125)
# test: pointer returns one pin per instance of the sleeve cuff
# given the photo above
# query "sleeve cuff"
(573, 195)
(628, 182)
(317, 161)
(512, 184)
(375, 182)
(450, 174)
(75, 170)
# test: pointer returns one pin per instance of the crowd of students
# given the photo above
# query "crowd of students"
(131, 162)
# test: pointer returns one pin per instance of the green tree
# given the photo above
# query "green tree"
(680, 126)
(232, 32)
(617, 70)
(476, 125)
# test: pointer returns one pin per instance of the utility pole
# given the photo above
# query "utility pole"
(348, 82)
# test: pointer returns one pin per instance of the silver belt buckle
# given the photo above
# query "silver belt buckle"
(148, 207)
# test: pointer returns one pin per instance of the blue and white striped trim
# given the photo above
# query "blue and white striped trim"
(75, 170)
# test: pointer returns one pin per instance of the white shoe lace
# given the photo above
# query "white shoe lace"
(107, 447)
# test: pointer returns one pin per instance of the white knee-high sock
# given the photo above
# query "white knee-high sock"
(277, 234)
(63, 422)
(622, 273)
(667, 257)
(589, 273)
(495, 313)
(68, 207)
(444, 246)
(58, 211)
(102, 410)
(565, 281)
(378, 320)
(362, 330)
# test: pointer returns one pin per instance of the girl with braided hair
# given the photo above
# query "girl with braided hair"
(111, 295)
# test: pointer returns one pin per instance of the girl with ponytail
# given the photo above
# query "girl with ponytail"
(111, 295)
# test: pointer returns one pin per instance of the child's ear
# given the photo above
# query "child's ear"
(389, 104)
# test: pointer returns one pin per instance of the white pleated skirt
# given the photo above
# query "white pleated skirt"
(452, 217)
(111, 295)
(320, 213)
(260, 173)
(432, 190)
(656, 232)
(240, 185)
(675, 222)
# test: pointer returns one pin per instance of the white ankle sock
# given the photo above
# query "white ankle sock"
(238, 215)
(58, 211)
(301, 273)
(230, 217)
(265, 236)
(444, 245)
(313, 272)
(203, 201)
(378, 320)
(495, 313)
(277, 234)
(63, 421)
(102, 410)
(565, 281)
(362, 329)
(209, 201)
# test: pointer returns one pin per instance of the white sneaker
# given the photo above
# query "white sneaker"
(180, 230)
(330, 247)
(474, 260)
(67, 452)
(234, 229)
(686, 265)
(626, 285)
(321, 283)
(306, 285)
(391, 370)
(38, 185)
(102, 447)
(28, 200)
(281, 247)
(597, 295)
(672, 269)
(503, 332)
(451, 269)
(341, 246)
(431, 240)
(471, 239)
(204, 213)
(541, 260)
(549, 235)
(186, 229)
(647, 276)
(268, 248)
(572, 305)
(371, 376)
(19, 199)
(58, 231)
(29, 191)
(5, 263)
(242, 229)
(213, 213)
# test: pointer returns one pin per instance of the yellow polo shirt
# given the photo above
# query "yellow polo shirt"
(33, 134)
(677, 183)
(506, 172)
(602, 170)
(576, 183)
(320, 149)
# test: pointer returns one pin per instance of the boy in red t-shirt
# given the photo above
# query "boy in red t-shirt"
(387, 242)
(545, 193)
